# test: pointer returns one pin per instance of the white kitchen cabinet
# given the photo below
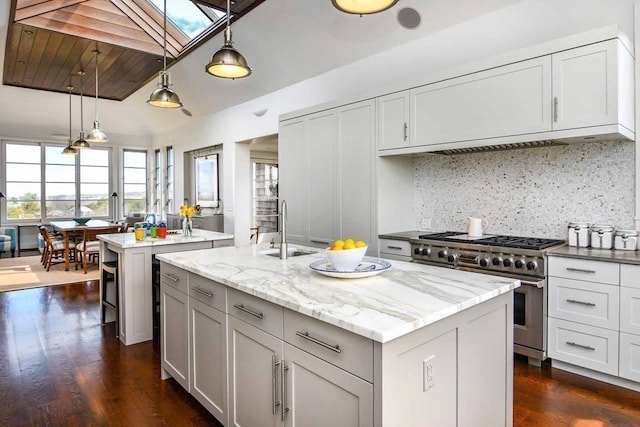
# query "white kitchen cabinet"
(393, 121)
(630, 356)
(208, 334)
(510, 100)
(590, 85)
(583, 302)
(323, 177)
(319, 394)
(210, 222)
(174, 333)
(327, 175)
(395, 249)
(254, 375)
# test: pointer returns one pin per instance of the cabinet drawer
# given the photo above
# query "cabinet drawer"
(351, 352)
(212, 293)
(584, 302)
(583, 345)
(174, 277)
(630, 310)
(395, 247)
(630, 356)
(584, 269)
(255, 311)
(223, 243)
(630, 275)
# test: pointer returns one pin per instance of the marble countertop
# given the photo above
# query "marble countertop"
(127, 240)
(610, 255)
(382, 307)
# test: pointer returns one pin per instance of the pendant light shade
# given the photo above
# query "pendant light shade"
(227, 62)
(164, 96)
(81, 143)
(363, 7)
(96, 134)
(69, 149)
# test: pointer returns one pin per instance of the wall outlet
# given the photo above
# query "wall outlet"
(428, 374)
(426, 223)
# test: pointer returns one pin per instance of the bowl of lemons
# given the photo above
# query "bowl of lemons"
(347, 254)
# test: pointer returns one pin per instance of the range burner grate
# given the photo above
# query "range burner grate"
(517, 242)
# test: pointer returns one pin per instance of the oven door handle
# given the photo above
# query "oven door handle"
(537, 283)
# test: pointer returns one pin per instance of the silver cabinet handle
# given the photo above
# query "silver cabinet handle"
(170, 277)
(283, 378)
(247, 310)
(586, 347)
(394, 247)
(274, 375)
(574, 301)
(555, 108)
(306, 336)
(405, 131)
(204, 292)
(581, 270)
(319, 241)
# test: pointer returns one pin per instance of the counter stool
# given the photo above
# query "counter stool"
(109, 268)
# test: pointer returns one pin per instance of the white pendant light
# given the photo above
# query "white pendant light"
(81, 143)
(164, 96)
(69, 149)
(227, 62)
(363, 7)
(96, 134)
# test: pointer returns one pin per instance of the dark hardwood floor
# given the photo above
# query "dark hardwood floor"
(59, 367)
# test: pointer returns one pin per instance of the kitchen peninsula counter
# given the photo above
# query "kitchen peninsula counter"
(383, 307)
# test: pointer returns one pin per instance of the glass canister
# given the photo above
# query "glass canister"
(579, 234)
(162, 230)
(601, 236)
(139, 231)
(153, 231)
(626, 240)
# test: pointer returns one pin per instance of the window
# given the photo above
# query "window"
(207, 181)
(43, 183)
(157, 181)
(265, 196)
(169, 182)
(135, 181)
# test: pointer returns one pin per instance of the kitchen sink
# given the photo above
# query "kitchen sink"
(291, 252)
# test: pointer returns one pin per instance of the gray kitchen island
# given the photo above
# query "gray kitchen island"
(261, 341)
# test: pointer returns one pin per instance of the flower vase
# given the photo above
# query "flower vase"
(187, 226)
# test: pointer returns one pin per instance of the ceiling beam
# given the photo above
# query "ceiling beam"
(27, 9)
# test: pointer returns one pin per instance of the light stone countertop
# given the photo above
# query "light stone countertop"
(382, 307)
(127, 240)
(609, 255)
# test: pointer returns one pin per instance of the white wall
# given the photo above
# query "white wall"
(526, 23)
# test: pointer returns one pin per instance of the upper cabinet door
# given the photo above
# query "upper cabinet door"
(585, 86)
(393, 121)
(511, 100)
(293, 160)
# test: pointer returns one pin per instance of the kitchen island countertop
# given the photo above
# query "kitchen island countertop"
(609, 255)
(396, 302)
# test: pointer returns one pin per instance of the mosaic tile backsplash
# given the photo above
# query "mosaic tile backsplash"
(529, 192)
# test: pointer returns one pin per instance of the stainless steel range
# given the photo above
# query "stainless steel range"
(509, 256)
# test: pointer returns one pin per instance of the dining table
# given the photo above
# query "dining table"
(72, 228)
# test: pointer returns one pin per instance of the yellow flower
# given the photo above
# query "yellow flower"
(186, 210)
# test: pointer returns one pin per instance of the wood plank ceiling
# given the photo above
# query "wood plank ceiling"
(50, 41)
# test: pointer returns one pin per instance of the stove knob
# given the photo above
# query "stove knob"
(442, 254)
(519, 263)
(417, 251)
(484, 262)
(496, 261)
(425, 251)
(507, 262)
(532, 265)
(452, 258)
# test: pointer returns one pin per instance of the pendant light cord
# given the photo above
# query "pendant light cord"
(70, 88)
(165, 36)
(97, 52)
(81, 108)
(228, 13)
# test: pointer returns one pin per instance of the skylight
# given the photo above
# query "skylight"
(193, 20)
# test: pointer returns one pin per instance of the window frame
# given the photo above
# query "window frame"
(123, 168)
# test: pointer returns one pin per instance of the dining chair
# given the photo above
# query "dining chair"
(88, 249)
(54, 249)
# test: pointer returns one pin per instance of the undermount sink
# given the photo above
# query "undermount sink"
(291, 252)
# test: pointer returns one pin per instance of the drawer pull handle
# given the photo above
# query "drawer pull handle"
(575, 301)
(306, 336)
(274, 374)
(581, 270)
(319, 241)
(203, 292)
(586, 347)
(395, 247)
(170, 277)
(283, 378)
(247, 310)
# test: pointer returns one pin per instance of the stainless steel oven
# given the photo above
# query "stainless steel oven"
(530, 320)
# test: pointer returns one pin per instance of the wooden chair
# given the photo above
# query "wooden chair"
(53, 249)
(88, 249)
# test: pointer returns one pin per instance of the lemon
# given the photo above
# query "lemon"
(349, 241)
(349, 244)
(360, 244)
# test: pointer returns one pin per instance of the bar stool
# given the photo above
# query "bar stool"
(109, 268)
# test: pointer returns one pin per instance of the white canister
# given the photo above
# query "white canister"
(601, 236)
(626, 240)
(579, 234)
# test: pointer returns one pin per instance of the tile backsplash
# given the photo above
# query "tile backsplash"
(529, 192)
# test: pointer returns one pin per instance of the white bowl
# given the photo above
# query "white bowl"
(346, 259)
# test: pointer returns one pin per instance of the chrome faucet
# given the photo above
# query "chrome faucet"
(283, 230)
